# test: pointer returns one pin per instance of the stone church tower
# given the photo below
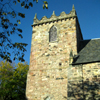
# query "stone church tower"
(54, 40)
(63, 66)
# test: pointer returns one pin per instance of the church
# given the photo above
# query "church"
(63, 66)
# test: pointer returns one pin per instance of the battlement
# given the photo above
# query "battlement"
(53, 18)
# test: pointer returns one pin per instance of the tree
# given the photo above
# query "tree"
(19, 81)
(6, 75)
(8, 28)
(13, 81)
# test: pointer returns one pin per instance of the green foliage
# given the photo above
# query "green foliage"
(9, 28)
(45, 5)
(13, 81)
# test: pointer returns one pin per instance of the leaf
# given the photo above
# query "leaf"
(18, 21)
(25, 44)
(20, 35)
(4, 13)
(18, 1)
(14, 58)
(43, 6)
(0, 44)
(20, 30)
(10, 61)
(9, 12)
(5, 20)
(21, 15)
(15, 25)
(22, 59)
(23, 55)
(4, 52)
(0, 13)
(8, 53)
(11, 32)
(26, 6)
(14, 2)
(45, 2)
(6, 26)
(13, 28)
(36, 1)
(1, 55)
(14, 45)
(46, 5)
(23, 3)
(30, 4)
(8, 33)
(13, 14)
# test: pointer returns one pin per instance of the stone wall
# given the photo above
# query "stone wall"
(84, 82)
(76, 82)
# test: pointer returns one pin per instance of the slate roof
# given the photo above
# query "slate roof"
(89, 52)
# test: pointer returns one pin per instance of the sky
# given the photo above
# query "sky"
(88, 13)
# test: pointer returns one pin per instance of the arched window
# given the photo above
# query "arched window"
(53, 34)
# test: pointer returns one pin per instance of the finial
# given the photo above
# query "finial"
(71, 53)
(73, 7)
(73, 12)
(71, 57)
(53, 13)
(35, 17)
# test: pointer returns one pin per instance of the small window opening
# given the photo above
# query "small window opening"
(53, 34)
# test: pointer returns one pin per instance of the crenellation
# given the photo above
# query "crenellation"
(63, 17)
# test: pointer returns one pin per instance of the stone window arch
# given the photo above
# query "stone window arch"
(53, 34)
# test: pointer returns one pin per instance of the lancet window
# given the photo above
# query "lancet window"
(53, 34)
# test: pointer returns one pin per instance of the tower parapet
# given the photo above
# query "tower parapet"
(53, 17)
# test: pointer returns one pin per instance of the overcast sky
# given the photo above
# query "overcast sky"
(88, 12)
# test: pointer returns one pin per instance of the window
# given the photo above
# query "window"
(53, 34)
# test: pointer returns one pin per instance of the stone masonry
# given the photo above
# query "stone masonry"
(51, 75)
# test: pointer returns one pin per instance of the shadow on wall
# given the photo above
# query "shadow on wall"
(84, 90)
